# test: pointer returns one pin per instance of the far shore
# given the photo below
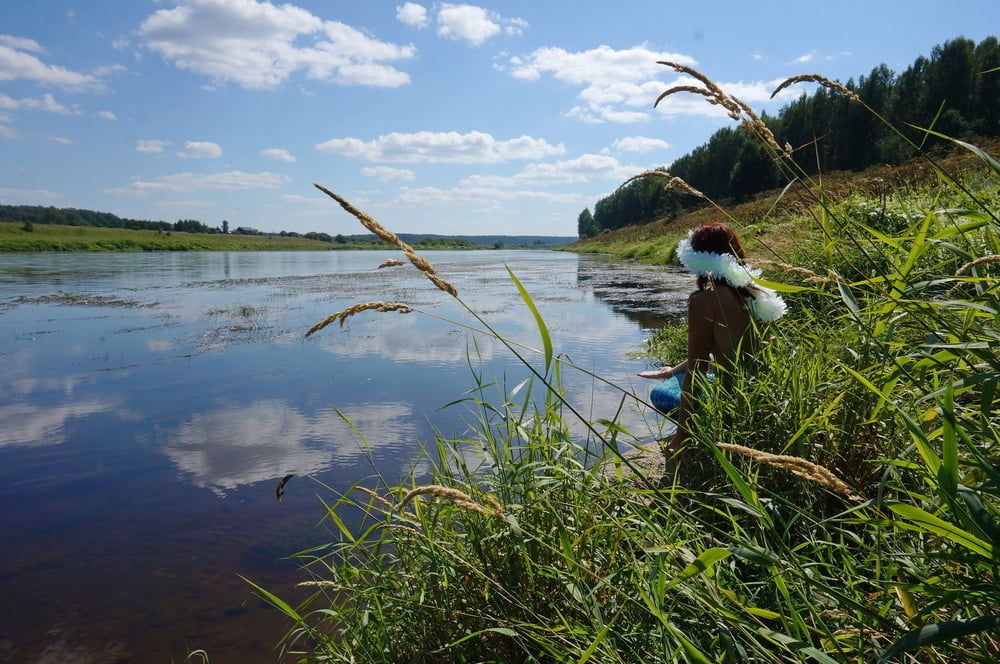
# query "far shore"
(14, 237)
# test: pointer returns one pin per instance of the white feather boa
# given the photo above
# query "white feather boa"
(766, 305)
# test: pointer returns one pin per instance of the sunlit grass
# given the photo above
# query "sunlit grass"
(839, 500)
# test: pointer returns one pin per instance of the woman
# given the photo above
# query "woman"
(721, 315)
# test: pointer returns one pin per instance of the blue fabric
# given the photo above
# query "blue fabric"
(666, 397)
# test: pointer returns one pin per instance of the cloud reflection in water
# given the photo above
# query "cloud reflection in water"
(239, 445)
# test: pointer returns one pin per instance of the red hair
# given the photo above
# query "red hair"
(718, 238)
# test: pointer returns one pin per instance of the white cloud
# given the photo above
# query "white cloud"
(473, 24)
(387, 173)
(62, 140)
(152, 145)
(200, 150)
(598, 65)
(45, 103)
(278, 154)
(255, 45)
(585, 168)
(639, 144)
(12, 196)
(22, 44)
(442, 147)
(412, 14)
(107, 115)
(17, 62)
(621, 85)
(802, 59)
(7, 132)
(758, 57)
(186, 182)
(465, 194)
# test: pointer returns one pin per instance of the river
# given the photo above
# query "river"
(149, 404)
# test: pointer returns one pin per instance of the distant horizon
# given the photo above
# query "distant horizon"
(456, 119)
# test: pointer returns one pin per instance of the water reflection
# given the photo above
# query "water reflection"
(109, 415)
(223, 449)
(649, 295)
(36, 426)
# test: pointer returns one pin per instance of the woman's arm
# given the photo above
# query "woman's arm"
(701, 325)
(665, 372)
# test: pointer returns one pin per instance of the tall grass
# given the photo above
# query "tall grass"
(531, 547)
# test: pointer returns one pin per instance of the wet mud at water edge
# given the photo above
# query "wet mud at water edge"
(151, 403)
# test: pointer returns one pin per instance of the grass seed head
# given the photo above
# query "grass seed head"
(344, 314)
(797, 466)
(389, 237)
(816, 78)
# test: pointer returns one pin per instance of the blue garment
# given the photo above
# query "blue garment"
(666, 397)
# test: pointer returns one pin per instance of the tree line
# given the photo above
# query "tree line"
(956, 89)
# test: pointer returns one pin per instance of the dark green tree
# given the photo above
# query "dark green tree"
(585, 225)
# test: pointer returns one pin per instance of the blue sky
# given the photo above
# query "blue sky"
(435, 117)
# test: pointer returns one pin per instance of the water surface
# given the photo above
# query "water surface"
(149, 403)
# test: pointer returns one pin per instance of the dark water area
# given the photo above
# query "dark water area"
(149, 404)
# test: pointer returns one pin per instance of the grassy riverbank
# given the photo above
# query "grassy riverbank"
(45, 237)
(773, 223)
(839, 500)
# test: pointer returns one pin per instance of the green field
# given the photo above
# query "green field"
(13, 237)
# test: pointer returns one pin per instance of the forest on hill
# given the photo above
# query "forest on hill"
(956, 90)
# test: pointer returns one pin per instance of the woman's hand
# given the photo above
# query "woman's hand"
(656, 374)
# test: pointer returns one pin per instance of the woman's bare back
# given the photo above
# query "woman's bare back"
(731, 323)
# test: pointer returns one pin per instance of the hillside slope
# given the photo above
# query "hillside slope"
(773, 222)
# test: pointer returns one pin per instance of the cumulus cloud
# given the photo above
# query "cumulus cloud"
(186, 182)
(278, 154)
(22, 44)
(621, 85)
(14, 196)
(387, 173)
(466, 194)
(442, 147)
(257, 45)
(802, 59)
(7, 132)
(107, 115)
(151, 145)
(585, 168)
(475, 25)
(18, 61)
(200, 150)
(412, 14)
(45, 103)
(639, 144)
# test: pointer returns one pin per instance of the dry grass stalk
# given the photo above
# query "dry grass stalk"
(805, 272)
(797, 466)
(326, 585)
(736, 107)
(459, 498)
(392, 262)
(342, 316)
(678, 183)
(721, 97)
(694, 89)
(378, 498)
(388, 236)
(982, 260)
(816, 78)
(403, 529)
(645, 174)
